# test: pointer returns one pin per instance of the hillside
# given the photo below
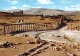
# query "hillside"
(39, 11)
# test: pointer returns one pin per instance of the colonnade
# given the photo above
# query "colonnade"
(73, 26)
(11, 28)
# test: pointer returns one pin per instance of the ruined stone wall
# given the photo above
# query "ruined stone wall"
(17, 14)
(55, 24)
(31, 17)
(74, 26)
(4, 15)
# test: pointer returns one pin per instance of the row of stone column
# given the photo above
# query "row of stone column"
(73, 26)
(19, 27)
(27, 27)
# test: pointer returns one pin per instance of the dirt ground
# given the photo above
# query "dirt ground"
(66, 51)
(62, 49)
(16, 49)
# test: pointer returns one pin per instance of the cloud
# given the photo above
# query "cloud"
(66, 2)
(37, 7)
(8, 0)
(14, 2)
(75, 5)
(54, 6)
(44, 1)
(25, 5)
(13, 7)
(72, 8)
(67, 8)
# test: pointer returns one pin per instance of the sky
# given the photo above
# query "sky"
(67, 5)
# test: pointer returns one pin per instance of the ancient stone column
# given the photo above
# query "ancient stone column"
(76, 26)
(70, 26)
(55, 25)
(48, 26)
(16, 27)
(25, 27)
(33, 27)
(73, 26)
(8, 29)
(36, 27)
(79, 27)
(19, 27)
(45, 27)
(28, 27)
(22, 27)
(12, 28)
(4, 30)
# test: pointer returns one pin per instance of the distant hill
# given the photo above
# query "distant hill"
(40, 11)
